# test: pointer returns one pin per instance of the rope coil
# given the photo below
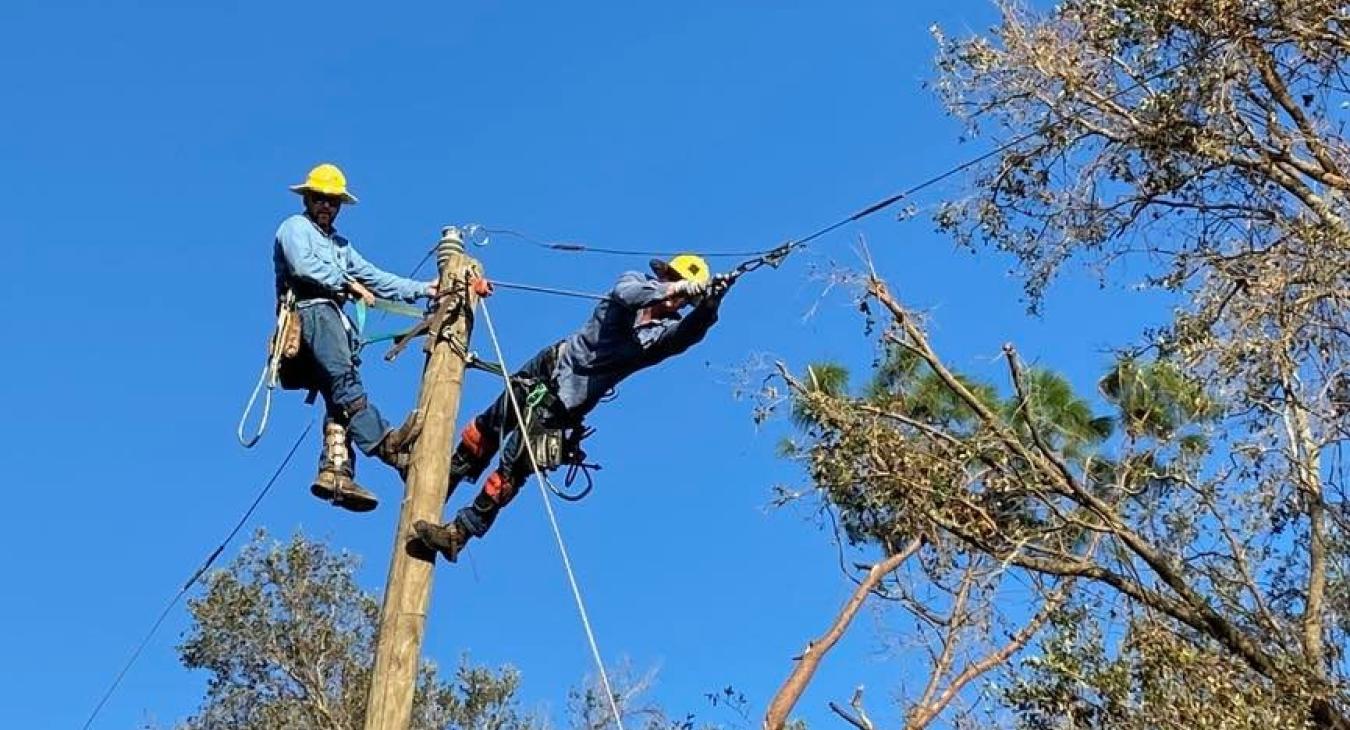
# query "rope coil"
(270, 375)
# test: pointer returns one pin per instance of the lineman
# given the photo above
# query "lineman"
(320, 270)
(637, 326)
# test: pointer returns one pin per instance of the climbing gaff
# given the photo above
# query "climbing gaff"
(277, 349)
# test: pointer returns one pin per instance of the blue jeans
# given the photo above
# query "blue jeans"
(327, 362)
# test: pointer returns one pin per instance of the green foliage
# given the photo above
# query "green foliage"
(1155, 678)
(826, 379)
(1156, 399)
(1059, 415)
(287, 639)
(904, 379)
(903, 394)
(1202, 143)
(1205, 538)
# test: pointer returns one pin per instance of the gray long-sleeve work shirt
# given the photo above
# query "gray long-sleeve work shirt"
(614, 344)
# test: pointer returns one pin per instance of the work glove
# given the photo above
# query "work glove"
(719, 285)
(689, 289)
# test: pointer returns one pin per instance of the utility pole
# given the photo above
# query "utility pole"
(407, 593)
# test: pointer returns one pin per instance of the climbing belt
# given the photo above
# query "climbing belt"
(284, 343)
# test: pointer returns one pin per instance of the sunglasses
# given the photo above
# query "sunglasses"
(332, 201)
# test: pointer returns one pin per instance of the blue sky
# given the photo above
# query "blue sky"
(145, 151)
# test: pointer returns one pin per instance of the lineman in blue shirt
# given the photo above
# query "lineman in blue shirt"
(637, 326)
(323, 271)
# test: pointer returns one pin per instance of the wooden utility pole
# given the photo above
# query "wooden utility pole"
(407, 593)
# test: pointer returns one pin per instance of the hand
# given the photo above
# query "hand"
(361, 292)
(720, 285)
(688, 289)
(433, 290)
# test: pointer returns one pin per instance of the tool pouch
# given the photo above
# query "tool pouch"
(286, 338)
(290, 337)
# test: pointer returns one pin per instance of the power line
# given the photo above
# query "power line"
(206, 565)
(573, 247)
(548, 290)
(775, 255)
(958, 169)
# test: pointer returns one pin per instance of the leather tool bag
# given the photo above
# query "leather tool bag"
(286, 337)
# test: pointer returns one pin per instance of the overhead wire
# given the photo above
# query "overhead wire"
(891, 200)
(774, 256)
(198, 573)
(573, 247)
(548, 290)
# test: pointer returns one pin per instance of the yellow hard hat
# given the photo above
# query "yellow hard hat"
(685, 266)
(328, 180)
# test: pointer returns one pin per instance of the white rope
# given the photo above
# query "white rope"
(269, 375)
(553, 519)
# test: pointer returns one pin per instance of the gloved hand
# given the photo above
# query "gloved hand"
(719, 285)
(688, 289)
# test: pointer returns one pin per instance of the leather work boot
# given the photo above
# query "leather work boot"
(334, 482)
(395, 449)
(447, 539)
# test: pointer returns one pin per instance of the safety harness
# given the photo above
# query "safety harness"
(284, 344)
(555, 447)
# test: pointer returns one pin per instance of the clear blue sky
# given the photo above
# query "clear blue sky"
(144, 153)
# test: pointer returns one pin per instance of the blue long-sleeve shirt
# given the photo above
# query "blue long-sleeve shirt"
(318, 266)
(613, 344)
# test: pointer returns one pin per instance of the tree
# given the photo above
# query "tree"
(288, 638)
(1203, 550)
(954, 593)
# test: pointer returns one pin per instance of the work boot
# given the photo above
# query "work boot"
(334, 482)
(447, 539)
(341, 491)
(395, 449)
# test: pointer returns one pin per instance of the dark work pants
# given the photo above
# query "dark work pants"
(498, 425)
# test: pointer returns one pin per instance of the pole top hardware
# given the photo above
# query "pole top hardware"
(452, 238)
